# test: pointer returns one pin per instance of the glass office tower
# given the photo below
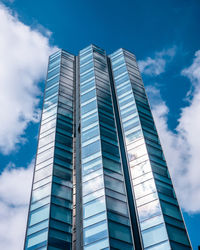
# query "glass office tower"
(100, 179)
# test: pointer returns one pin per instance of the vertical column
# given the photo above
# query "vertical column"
(120, 234)
(137, 125)
(106, 222)
(170, 209)
(147, 203)
(95, 226)
(60, 226)
(50, 219)
(38, 219)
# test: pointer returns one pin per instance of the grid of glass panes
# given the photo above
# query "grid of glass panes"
(95, 226)
(168, 201)
(120, 235)
(60, 225)
(38, 220)
(150, 216)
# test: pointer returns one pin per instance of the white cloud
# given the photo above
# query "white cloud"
(24, 54)
(14, 198)
(182, 146)
(155, 66)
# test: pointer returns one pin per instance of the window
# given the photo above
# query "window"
(89, 107)
(94, 207)
(154, 235)
(62, 191)
(37, 238)
(90, 149)
(144, 188)
(117, 206)
(95, 232)
(114, 184)
(149, 210)
(93, 184)
(120, 232)
(39, 215)
(41, 192)
(61, 214)
(94, 219)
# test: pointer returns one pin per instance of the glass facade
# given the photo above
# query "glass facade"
(100, 179)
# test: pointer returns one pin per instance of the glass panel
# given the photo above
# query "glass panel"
(94, 207)
(42, 182)
(146, 199)
(114, 184)
(37, 227)
(90, 149)
(115, 195)
(45, 155)
(41, 192)
(44, 164)
(40, 203)
(39, 215)
(154, 235)
(48, 125)
(171, 210)
(93, 195)
(91, 166)
(61, 214)
(144, 188)
(143, 178)
(42, 173)
(90, 106)
(90, 133)
(137, 152)
(117, 206)
(37, 238)
(177, 235)
(162, 246)
(62, 191)
(92, 185)
(92, 175)
(94, 219)
(120, 232)
(98, 245)
(149, 210)
(47, 139)
(95, 232)
(151, 222)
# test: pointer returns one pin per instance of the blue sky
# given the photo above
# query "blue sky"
(165, 37)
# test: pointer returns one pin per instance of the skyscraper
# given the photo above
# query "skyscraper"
(100, 179)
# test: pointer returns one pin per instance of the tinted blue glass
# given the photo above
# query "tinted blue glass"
(62, 191)
(39, 215)
(120, 232)
(61, 214)
(52, 91)
(87, 76)
(41, 192)
(92, 185)
(90, 149)
(54, 64)
(95, 232)
(94, 207)
(91, 166)
(88, 107)
(154, 235)
(88, 96)
(52, 81)
(86, 67)
(37, 238)
(90, 133)
(53, 72)
(38, 227)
